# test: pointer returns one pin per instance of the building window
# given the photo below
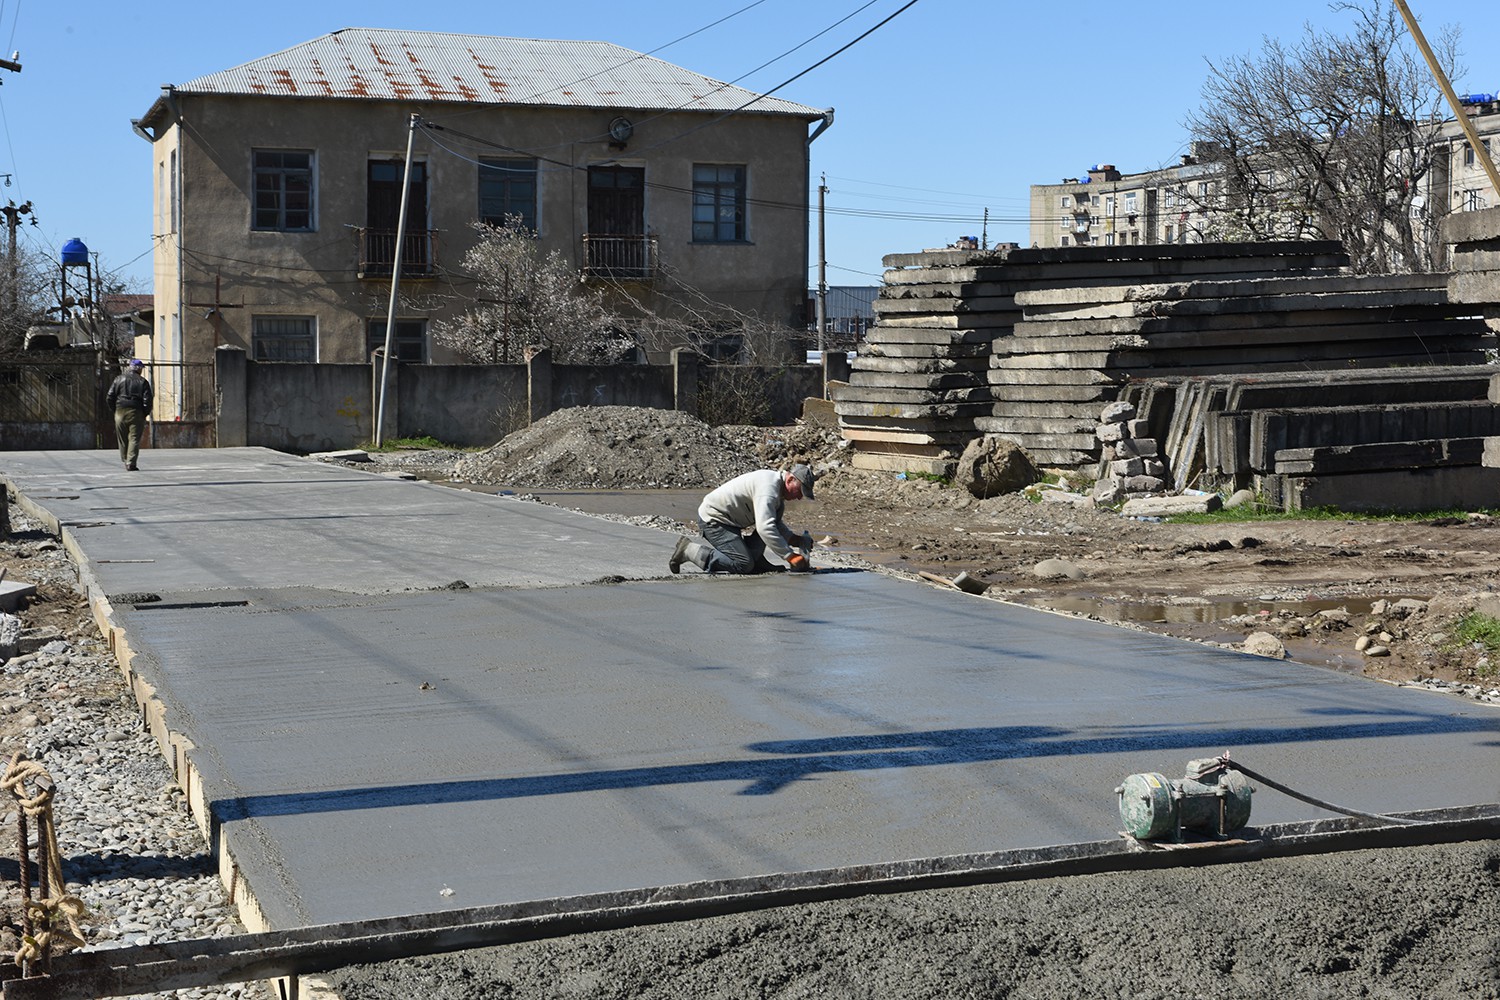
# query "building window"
(1095, 201)
(284, 338)
(507, 189)
(1062, 241)
(283, 190)
(1064, 222)
(1067, 201)
(1109, 205)
(1203, 189)
(1471, 200)
(718, 203)
(1109, 239)
(409, 339)
(1093, 220)
(1167, 235)
(1130, 203)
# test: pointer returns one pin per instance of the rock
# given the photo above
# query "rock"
(1142, 484)
(1264, 644)
(1363, 643)
(1117, 413)
(1378, 651)
(991, 466)
(1107, 491)
(1052, 569)
(1240, 498)
(1071, 499)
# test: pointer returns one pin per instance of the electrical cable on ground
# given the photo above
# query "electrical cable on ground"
(1311, 800)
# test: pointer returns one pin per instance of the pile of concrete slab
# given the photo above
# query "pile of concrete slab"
(1358, 439)
(1030, 344)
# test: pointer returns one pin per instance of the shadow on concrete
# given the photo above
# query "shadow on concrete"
(798, 760)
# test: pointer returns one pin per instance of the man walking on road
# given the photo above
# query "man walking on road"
(130, 397)
(752, 501)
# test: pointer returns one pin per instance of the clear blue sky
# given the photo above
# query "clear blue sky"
(953, 107)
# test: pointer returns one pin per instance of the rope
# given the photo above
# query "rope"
(55, 916)
(1225, 762)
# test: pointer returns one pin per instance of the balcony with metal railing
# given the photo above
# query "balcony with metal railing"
(377, 253)
(623, 258)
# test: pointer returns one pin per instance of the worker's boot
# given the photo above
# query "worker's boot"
(688, 550)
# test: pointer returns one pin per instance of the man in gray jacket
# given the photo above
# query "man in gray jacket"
(130, 397)
(728, 515)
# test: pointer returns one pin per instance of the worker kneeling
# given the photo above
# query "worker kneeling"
(756, 501)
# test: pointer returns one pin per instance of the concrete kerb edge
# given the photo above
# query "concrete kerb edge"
(176, 748)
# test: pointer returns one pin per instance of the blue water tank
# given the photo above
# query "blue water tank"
(1476, 98)
(74, 252)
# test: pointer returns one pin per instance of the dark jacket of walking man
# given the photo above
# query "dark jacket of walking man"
(727, 516)
(130, 397)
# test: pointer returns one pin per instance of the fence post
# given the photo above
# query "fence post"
(232, 407)
(685, 380)
(539, 382)
(835, 369)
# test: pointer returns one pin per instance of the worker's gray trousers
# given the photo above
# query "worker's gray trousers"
(734, 551)
(130, 421)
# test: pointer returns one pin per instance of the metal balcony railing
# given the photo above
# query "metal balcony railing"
(631, 258)
(377, 253)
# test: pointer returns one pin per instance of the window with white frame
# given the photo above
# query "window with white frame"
(1067, 201)
(1130, 203)
(284, 190)
(507, 190)
(283, 338)
(719, 203)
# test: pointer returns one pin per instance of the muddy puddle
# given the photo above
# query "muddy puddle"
(1188, 610)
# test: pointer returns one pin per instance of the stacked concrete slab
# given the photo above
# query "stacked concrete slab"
(940, 366)
(1076, 345)
(1397, 438)
(1475, 282)
(1032, 345)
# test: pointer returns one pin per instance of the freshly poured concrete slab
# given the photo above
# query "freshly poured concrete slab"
(207, 519)
(377, 753)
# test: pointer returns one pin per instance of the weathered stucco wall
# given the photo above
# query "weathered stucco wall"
(301, 407)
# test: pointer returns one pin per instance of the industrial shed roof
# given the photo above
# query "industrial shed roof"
(424, 66)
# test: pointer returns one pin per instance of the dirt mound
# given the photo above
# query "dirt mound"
(612, 446)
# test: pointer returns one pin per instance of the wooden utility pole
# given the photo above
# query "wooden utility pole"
(215, 310)
(13, 213)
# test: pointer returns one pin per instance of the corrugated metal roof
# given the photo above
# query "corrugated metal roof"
(382, 64)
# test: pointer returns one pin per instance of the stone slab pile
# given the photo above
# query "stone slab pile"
(1474, 238)
(1130, 467)
(943, 364)
(1078, 346)
(1397, 438)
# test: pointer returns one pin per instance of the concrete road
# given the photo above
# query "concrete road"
(571, 718)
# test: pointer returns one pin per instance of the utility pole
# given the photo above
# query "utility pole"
(13, 213)
(390, 312)
(822, 275)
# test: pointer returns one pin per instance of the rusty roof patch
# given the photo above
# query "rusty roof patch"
(381, 64)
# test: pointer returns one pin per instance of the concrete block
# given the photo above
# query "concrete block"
(1127, 467)
(1109, 433)
(1142, 484)
(1137, 428)
(1168, 506)
(1153, 467)
(1472, 227)
(1117, 413)
(14, 593)
(1135, 447)
(1468, 487)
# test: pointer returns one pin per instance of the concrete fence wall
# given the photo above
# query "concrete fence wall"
(326, 407)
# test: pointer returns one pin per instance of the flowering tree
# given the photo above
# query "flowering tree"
(528, 299)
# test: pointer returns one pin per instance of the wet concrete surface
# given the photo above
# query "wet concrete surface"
(575, 719)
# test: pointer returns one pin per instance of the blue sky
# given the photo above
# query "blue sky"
(953, 107)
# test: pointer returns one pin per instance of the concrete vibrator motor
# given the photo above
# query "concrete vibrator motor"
(1212, 797)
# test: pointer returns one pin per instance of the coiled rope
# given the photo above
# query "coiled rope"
(51, 922)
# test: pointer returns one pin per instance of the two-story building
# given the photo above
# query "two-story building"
(278, 185)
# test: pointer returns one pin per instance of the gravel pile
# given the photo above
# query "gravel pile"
(131, 852)
(610, 446)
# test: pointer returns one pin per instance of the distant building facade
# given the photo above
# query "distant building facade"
(1182, 203)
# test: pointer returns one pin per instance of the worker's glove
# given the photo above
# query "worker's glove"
(806, 542)
(798, 562)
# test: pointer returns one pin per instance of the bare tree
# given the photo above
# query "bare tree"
(529, 299)
(1330, 138)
